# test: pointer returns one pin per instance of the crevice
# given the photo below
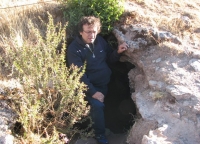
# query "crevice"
(120, 109)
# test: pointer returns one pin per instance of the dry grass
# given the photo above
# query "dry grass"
(15, 18)
(168, 15)
(14, 3)
(17, 15)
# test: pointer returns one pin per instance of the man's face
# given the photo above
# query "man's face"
(89, 33)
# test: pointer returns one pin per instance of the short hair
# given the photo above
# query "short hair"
(90, 20)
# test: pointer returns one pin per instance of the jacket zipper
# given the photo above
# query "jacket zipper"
(88, 46)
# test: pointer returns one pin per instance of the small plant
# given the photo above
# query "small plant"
(157, 95)
(108, 11)
(52, 99)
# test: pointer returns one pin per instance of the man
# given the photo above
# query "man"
(91, 48)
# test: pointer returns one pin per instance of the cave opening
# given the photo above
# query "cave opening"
(120, 109)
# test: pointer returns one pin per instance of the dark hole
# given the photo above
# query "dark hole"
(18, 128)
(119, 107)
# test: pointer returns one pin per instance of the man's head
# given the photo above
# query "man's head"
(89, 27)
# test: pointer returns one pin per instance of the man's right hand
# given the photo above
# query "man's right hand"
(99, 96)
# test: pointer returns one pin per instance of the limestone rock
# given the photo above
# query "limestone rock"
(166, 86)
(195, 63)
(6, 139)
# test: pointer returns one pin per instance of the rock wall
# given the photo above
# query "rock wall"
(166, 84)
(7, 115)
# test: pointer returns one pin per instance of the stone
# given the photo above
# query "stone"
(7, 139)
(195, 63)
(179, 91)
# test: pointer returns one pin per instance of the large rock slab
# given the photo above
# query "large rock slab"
(166, 84)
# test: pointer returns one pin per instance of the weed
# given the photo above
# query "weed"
(157, 95)
(52, 99)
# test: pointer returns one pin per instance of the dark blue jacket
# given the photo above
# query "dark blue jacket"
(97, 71)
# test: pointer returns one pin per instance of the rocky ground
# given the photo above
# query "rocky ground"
(166, 82)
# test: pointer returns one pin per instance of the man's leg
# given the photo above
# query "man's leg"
(97, 114)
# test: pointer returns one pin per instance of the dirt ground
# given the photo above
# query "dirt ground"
(112, 138)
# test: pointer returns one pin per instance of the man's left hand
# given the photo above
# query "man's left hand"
(122, 48)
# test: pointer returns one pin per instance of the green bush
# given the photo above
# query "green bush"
(108, 11)
(52, 98)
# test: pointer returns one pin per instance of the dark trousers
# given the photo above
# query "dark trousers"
(97, 112)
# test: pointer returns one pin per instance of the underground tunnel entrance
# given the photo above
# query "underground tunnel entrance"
(119, 107)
